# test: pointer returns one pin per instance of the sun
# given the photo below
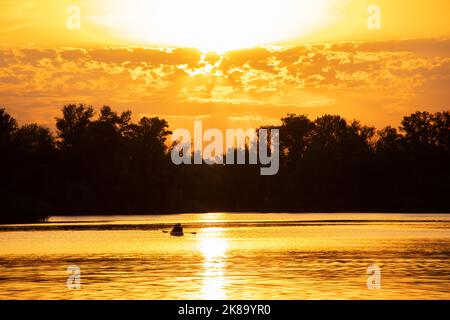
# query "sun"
(216, 25)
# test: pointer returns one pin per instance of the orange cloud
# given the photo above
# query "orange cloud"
(376, 82)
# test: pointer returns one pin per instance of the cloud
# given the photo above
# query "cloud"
(376, 82)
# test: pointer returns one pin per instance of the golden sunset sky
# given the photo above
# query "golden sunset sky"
(232, 63)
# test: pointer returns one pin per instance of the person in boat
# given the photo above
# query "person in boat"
(177, 228)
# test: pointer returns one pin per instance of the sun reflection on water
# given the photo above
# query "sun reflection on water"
(214, 249)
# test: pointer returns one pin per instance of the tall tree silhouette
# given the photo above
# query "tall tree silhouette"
(72, 126)
(108, 164)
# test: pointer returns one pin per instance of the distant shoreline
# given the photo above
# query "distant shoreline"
(104, 163)
(91, 214)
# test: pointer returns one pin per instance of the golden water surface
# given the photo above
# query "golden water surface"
(230, 256)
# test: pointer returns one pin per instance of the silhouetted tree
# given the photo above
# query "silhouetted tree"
(107, 164)
(32, 138)
(296, 133)
(72, 126)
(8, 127)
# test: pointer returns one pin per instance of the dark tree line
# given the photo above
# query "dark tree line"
(106, 164)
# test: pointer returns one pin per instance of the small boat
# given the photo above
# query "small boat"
(177, 231)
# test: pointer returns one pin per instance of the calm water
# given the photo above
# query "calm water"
(231, 256)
